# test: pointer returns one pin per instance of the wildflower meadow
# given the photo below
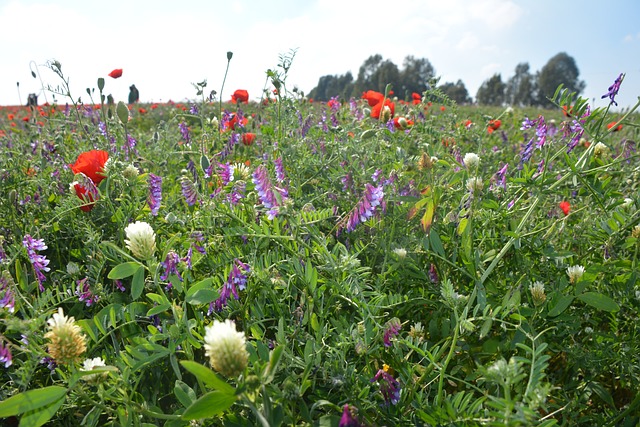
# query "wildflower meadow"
(373, 261)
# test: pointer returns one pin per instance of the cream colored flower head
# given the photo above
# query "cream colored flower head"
(537, 293)
(575, 272)
(471, 161)
(475, 184)
(141, 240)
(66, 341)
(226, 348)
(90, 365)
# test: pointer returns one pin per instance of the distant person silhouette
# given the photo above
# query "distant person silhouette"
(134, 95)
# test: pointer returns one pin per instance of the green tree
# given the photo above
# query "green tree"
(491, 91)
(561, 69)
(329, 86)
(416, 72)
(521, 89)
(456, 92)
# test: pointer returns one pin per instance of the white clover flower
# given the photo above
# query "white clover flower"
(575, 272)
(600, 149)
(141, 240)
(475, 184)
(90, 365)
(241, 171)
(226, 348)
(66, 341)
(130, 172)
(471, 161)
(537, 293)
(627, 202)
(401, 252)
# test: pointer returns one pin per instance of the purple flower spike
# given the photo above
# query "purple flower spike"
(389, 387)
(155, 193)
(391, 330)
(170, 265)
(348, 418)
(7, 298)
(5, 355)
(84, 294)
(613, 90)
(39, 262)
(365, 208)
(236, 281)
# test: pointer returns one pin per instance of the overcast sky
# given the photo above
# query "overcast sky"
(165, 46)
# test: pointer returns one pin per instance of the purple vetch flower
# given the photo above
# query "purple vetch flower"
(189, 191)
(39, 262)
(225, 172)
(7, 298)
(184, 132)
(306, 126)
(197, 237)
(84, 294)
(5, 355)
(364, 209)
(391, 330)
(389, 387)
(3, 254)
(50, 362)
(539, 170)
(433, 274)
(236, 281)
(270, 196)
(155, 193)
(170, 265)
(194, 109)
(119, 285)
(279, 170)
(391, 126)
(349, 418)
(347, 182)
(499, 179)
(613, 90)
(376, 175)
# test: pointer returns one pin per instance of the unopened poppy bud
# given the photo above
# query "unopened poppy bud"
(386, 114)
(403, 123)
(229, 55)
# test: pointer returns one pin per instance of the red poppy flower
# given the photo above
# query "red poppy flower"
(240, 95)
(391, 93)
(416, 98)
(116, 73)
(10, 116)
(85, 196)
(377, 109)
(613, 125)
(567, 111)
(234, 122)
(565, 206)
(402, 123)
(468, 123)
(493, 125)
(442, 108)
(91, 163)
(142, 110)
(248, 138)
(372, 97)
(333, 103)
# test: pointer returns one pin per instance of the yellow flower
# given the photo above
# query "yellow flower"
(66, 342)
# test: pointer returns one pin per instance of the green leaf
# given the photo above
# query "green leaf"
(121, 271)
(159, 309)
(137, 284)
(209, 405)
(184, 393)
(427, 218)
(30, 400)
(207, 376)
(562, 304)
(204, 163)
(599, 301)
(202, 293)
(40, 416)
(274, 361)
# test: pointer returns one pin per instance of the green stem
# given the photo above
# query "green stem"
(454, 341)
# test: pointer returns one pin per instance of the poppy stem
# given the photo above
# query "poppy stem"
(224, 80)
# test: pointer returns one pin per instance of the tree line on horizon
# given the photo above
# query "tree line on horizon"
(523, 89)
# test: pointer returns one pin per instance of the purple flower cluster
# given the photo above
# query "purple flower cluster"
(348, 419)
(39, 262)
(7, 299)
(270, 196)
(155, 193)
(280, 175)
(184, 131)
(389, 387)
(170, 265)
(364, 209)
(189, 191)
(499, 179)
(391, 330)
(84, 294)
(613, 90)
(236, 281)
(5, 355)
